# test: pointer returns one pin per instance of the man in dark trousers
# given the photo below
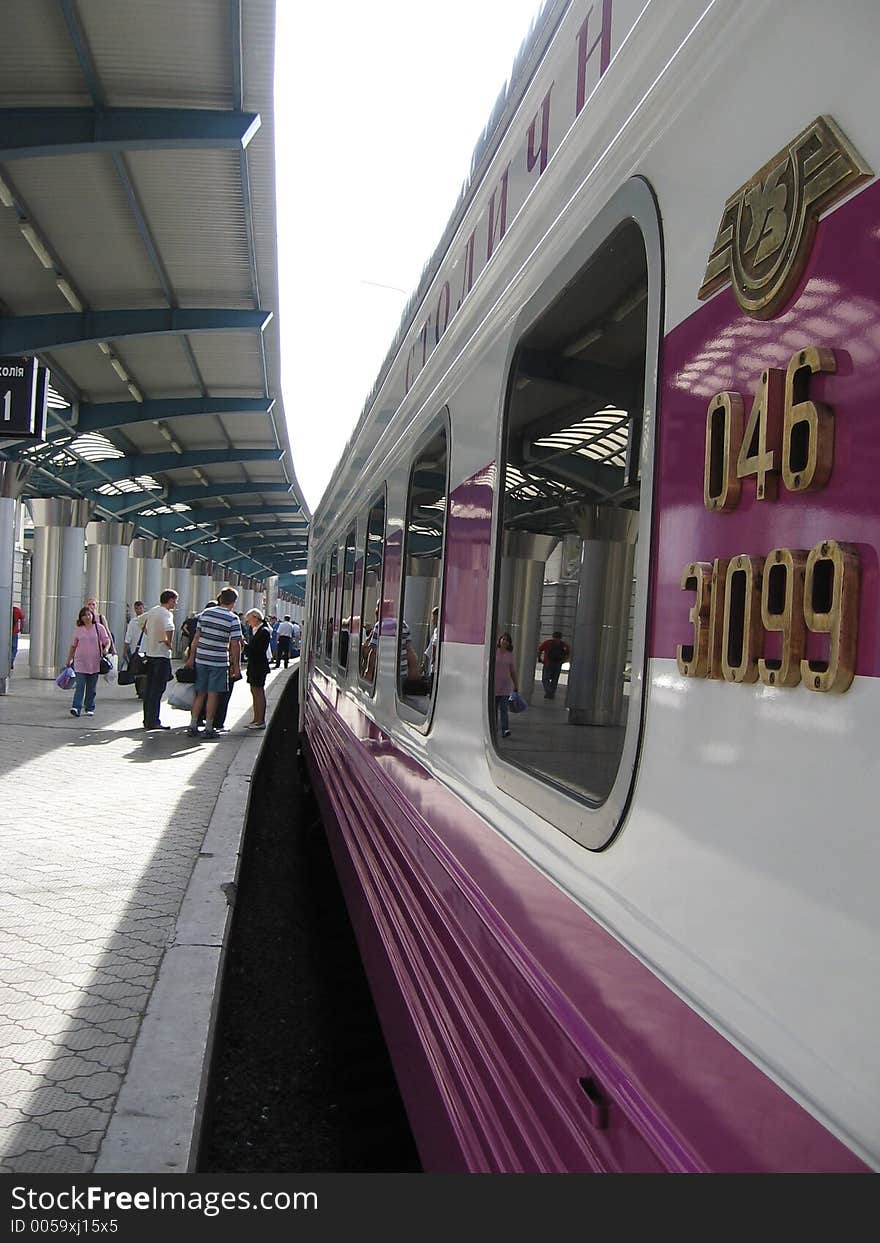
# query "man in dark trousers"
(553, 653)
(285, 634)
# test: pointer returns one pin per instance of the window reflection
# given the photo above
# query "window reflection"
(570, 522)
(419, 626)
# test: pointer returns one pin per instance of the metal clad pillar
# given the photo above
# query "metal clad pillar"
(13, 476)
(145, 580)
(58, 579)
(595, 681)
(107, 571)
(272, 594)
(519, 599)
(178, 576)
(202, 585)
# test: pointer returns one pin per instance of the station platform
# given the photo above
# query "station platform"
(118, 857)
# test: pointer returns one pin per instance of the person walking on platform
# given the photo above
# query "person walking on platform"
(133, 633)
(285, 634)
(158, 628)
(258, 665)
(553, 653)
(99, 617)
(17, 623)
(90, 642)
(295, 638)
(215, 653)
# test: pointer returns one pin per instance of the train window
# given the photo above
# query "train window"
(371, 595)
(320, 611)
(347, 601)
(419, 621)
(332, 589)
(571, 576)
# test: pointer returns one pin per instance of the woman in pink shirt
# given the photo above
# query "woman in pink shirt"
(505, 680)
(90, 641)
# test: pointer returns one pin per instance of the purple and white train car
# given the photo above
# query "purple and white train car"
(634, 404)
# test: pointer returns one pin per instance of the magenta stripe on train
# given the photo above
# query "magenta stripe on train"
(837, 306)
(513, 994)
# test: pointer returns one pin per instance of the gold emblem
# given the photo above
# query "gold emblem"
(767, 227)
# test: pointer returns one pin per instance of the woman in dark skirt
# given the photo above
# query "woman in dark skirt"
(258, 665)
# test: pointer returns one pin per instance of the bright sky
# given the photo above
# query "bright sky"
(378, 108)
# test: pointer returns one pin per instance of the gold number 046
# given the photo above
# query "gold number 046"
(786, 433)
(741, 600)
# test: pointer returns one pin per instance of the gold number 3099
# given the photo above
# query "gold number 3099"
(741, 600)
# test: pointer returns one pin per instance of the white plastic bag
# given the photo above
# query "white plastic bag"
(112, 673)
(181, 695)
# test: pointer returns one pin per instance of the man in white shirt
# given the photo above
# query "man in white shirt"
(295, 639)
(285, 634)
(132, 635)
(158, 629)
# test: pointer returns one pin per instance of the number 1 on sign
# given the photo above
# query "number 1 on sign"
(7, 406)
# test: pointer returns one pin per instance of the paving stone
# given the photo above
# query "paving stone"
(63, 1159)
(96, 1087)
(71, 1123)
(88, 905)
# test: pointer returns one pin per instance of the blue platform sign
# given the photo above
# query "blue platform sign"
(24, 387)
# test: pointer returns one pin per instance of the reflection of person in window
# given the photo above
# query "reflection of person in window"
(411, 680)
(505, 680)
(370, 651)
(553, 653)
(429, 660)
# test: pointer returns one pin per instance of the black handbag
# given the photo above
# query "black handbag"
(185, 674)
(105, 664)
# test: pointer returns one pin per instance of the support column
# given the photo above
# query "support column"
(595, 682)
(145, 580)
(519, 600)
(178, 577)
(13, 477)
(271, 589)
(107, 571)
(202, 584)
(58, 579)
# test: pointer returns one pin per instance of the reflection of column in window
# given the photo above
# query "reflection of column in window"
(520, 594)
(596, 678)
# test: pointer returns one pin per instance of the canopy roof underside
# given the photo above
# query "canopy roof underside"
(138, 263)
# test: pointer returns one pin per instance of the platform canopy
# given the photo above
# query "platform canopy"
(138, 263)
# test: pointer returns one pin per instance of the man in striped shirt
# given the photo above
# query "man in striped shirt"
(216, 654)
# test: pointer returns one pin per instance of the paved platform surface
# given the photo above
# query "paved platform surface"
(112, 911)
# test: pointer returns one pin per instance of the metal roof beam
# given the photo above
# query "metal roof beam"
(230, 529)
(246, 487)
(100, 416)
(30, 133)
(28, 334)
(184, 495)
(112, 470)
(198, 517)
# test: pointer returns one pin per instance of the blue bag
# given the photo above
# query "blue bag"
(66, 678)
(516, 702)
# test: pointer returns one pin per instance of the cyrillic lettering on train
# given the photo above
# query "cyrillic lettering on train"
(586, 50)
(540, 156)
(502, 214)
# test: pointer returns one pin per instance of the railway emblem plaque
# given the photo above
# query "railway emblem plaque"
(767, 227)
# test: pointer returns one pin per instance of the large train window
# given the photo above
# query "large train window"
(321, 611)
(371, 594)
(419, 624)
(347, 601)
(332, 589)
(572, 549)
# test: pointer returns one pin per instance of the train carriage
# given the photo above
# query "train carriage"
(632, 403)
